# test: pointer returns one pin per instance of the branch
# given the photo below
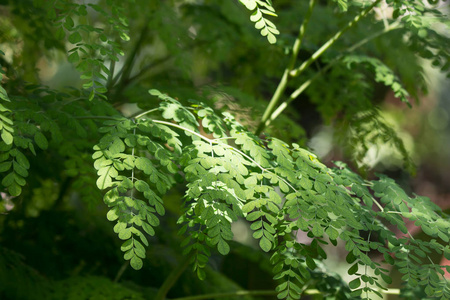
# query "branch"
(121, 271)
(148, 67)
(307, 83)
(229, 294)
(268, 114)
(172, 278)
(331, 41)
(265, 293)
(124, 74)
(284, 79)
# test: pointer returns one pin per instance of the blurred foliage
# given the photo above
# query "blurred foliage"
(70, 67)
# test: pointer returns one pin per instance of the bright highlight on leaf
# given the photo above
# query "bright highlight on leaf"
(292, 205)
(260, 10)
(280, 189)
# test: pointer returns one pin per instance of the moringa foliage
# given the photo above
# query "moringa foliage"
(281, 189)
(82, 138)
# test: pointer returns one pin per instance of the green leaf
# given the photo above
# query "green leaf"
(353, 269)
(127, 245)
(223, 247)
(74, 57)
(201, 274)
(148, 229)
(5, 166)
(248, 208)
(19, 169)
(310, 263)
(106, 175)
(14, 189)
(271, 38)
(41, 140)
(112, 214)
(265, 244)
(332, 233)
(7, 137)
(317, 230)
(154, 92)
(139, 249)
(60, 34)
(75, 37)
(8, 179)
(144, 164)
(355, 283)
(283, 294)
(249, 4)
(136, 263)
(69, 23)
(386, 278)
(125, 233)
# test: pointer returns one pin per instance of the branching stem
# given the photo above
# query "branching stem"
(307, 83)
(284, 79)
(331, 41)
(289, 71)
(125, 72)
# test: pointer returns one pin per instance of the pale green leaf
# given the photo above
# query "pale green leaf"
(136, 263)
(7, 137)
(265, 244)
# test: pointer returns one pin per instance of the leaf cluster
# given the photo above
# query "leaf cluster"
(281, 190)
(227, 173)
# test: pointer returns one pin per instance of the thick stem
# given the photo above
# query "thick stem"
(172, 278)
(284, 79)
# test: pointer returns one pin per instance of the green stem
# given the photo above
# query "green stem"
(331, 41)
(148, 67)
(121, 271)
(228, 294)
(264, 293)
(141, 114)
(268, 114)
(307, 83)
(95, 118)
(112, 67)
(125, 72)
(284, 79)
(172, 278)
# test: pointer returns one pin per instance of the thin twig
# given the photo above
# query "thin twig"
(121, 271)
(172, 278)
